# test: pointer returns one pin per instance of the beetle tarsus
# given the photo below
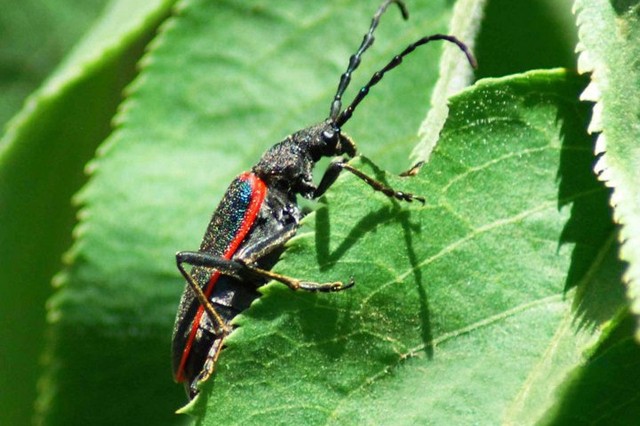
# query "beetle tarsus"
(413, 170)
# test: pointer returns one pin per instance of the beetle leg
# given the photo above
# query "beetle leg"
(238, 268)
(377, 186)
(251, 254)
(413, 170)
(337, 166)
(195, 259)
(296, 284)
(207, 368)
(330, 176)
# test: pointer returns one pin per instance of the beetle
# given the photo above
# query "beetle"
(258, 214)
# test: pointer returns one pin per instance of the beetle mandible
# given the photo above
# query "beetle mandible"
(258, 214)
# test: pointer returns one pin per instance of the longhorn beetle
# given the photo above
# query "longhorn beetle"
(258, 214)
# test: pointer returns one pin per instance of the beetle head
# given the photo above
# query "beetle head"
(333, 141)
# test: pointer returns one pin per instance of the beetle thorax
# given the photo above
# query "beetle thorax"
(288, 165)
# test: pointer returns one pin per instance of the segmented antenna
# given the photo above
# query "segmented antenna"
(354, 61)
(345, 115)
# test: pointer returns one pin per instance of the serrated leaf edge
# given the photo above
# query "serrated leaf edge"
(606, 172)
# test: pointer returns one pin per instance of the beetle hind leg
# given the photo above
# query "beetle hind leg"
(191, 258)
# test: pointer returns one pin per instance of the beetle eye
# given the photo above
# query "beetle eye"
(328, 135)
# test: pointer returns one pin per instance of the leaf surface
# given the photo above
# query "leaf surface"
(470, 309)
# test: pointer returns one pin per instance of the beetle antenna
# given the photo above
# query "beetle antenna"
(345, 115)
(354, 60)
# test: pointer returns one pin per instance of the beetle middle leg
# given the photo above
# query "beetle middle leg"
(296, 284)
(250, 254)
(239, 268)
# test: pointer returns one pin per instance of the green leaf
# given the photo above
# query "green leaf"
(224, 81)
(35, 37)
(462, 310)
(609, 33)
(42, 156)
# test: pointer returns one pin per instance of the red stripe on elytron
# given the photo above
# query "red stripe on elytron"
(259, 191)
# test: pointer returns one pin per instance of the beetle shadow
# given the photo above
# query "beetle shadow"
(426, 333)
(326, 327)
(368, 223)
(409, 230)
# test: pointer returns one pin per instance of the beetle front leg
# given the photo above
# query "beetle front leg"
(337, 166)
(414, 170)
(330, 175)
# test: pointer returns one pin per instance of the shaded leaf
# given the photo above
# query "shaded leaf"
(609, 31)
(42, 156)
(34, 37)
(605, 390)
